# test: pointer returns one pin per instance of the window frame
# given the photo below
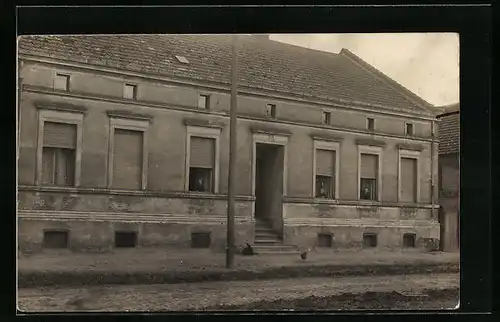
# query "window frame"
(271, 110)
(412, 129)
(124, 123)
(326, 118)
(134, 93)
(68, 81)
(330, 146)
(374, 150)
(410, 155)
(66, 117)
(207, 101)
(208, 133)
(368, 120)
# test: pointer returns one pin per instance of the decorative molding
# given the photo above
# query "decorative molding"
(191, 109)
(362, 223)
(203, 123)
(129, 115)
(269, 130)
(326, 137)
(138, 193)
(411, 147)
(322, 103)
(355, 203)
(370, 142)
(60, 106)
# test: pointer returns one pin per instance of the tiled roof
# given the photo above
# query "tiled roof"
(263, 64)
(449, 132)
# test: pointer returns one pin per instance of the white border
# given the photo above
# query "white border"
(330, 146)
(204, 132)
(60, 117)
(374, 150)
(411, 155)
(116, 122)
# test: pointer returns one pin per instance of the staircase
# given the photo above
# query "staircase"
(267, 240)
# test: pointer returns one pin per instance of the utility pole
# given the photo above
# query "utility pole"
(232, 156)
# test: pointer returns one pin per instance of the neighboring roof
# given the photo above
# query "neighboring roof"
(449, 129)
(263, 64)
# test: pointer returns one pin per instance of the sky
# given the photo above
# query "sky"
(425, 63)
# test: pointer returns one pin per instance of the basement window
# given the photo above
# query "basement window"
(55, 239)
(271, 110)
(369, 240)
(200, 240)
(327, 118)
(409, 240)
(370, 124)
(409, 129)
(325, 240)
(125, 239)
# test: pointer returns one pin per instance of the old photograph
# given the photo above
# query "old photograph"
(238, 172)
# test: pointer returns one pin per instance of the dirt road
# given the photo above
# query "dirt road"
(199, 296)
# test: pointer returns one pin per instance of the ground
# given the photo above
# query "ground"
(392, 292)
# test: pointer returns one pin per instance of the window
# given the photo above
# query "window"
(409, 240)
(325, 240)
(368, 178)
(58, 154)
(369, 240)
(55, 239)
(202, 162)
(204, 101)
(370, 124)
(409, 129)
(408, 180)
(271, 110)
(200, 240)
(130, 92)
(327, 118)
(125, 239)
(61, 82)
(325, 173)
(127, 159)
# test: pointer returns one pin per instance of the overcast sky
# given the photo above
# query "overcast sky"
(425, 63)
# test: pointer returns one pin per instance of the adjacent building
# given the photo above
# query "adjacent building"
(124, 141)
(449, 176)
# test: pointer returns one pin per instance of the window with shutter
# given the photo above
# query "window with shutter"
(369, 172)
(325, 173)
(61, 82)
(127, 159)
(202, 159)
(408, 180)
(58, 154)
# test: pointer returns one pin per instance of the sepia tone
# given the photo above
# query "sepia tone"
(124, 149)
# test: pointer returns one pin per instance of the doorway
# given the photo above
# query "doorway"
(269, 164)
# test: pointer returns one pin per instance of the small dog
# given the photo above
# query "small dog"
(248, 250)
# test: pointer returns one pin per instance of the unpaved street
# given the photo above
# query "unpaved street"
(200, 296)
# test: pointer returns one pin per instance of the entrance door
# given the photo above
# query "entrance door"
(269, 185)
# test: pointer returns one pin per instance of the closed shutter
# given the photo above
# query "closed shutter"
(325, 161)
(60, 135)
(202, 152)
(369, 166)
(408, 179)
(127, 159)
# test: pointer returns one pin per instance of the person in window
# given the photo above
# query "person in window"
(200, 184)
(366, 193)
(322, 190)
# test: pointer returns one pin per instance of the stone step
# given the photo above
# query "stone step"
(275, 249)
(265, 235)
(268, 241)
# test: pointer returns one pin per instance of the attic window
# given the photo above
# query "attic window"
(271, 110)
(204, 101)
(409, 128)
(327, 117)
(370, 124)
(182, 59)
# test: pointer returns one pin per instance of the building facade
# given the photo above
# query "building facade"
(449, 177)
(124, 141)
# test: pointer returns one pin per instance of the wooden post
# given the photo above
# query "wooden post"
(232, 157)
